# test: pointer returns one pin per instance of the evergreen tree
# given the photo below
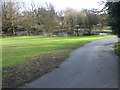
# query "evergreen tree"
(113, 9)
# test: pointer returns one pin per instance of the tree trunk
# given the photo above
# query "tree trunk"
(77, 32)
(90, 31)
(28, 33)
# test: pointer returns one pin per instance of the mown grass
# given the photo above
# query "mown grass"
(16, 50)
(117, 48)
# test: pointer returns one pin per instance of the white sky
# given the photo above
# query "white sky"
(63, 4)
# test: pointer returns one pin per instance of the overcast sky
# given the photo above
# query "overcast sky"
(63, 4)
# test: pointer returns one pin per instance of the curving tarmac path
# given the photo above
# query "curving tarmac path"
(94, 65)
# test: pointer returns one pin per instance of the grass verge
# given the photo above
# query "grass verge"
(117, 48)
(17, 50)
(29, 57)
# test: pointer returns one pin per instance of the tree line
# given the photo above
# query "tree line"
(45, 20)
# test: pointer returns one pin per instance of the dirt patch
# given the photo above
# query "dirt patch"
(35, 67)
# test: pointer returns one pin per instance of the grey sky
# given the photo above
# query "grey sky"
(63, 4)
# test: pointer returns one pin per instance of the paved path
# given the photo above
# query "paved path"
(94, 65)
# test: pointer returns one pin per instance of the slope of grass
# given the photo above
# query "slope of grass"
(117, 48)
(16, 50)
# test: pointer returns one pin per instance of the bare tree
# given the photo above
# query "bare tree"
(91, 20)
(9, 16)
(103, 20)
(70, 19)
(47, 17)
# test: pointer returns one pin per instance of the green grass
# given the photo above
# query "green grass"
(16, 50)
(117, 48)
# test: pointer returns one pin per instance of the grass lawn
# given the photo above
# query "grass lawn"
(117, 48)
(16, 50)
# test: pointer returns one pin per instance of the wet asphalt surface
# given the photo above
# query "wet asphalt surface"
(94, 65)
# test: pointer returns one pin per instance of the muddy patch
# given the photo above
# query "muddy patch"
(34, 68)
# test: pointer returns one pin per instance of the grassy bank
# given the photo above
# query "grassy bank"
(117, 48)
(19, 49)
